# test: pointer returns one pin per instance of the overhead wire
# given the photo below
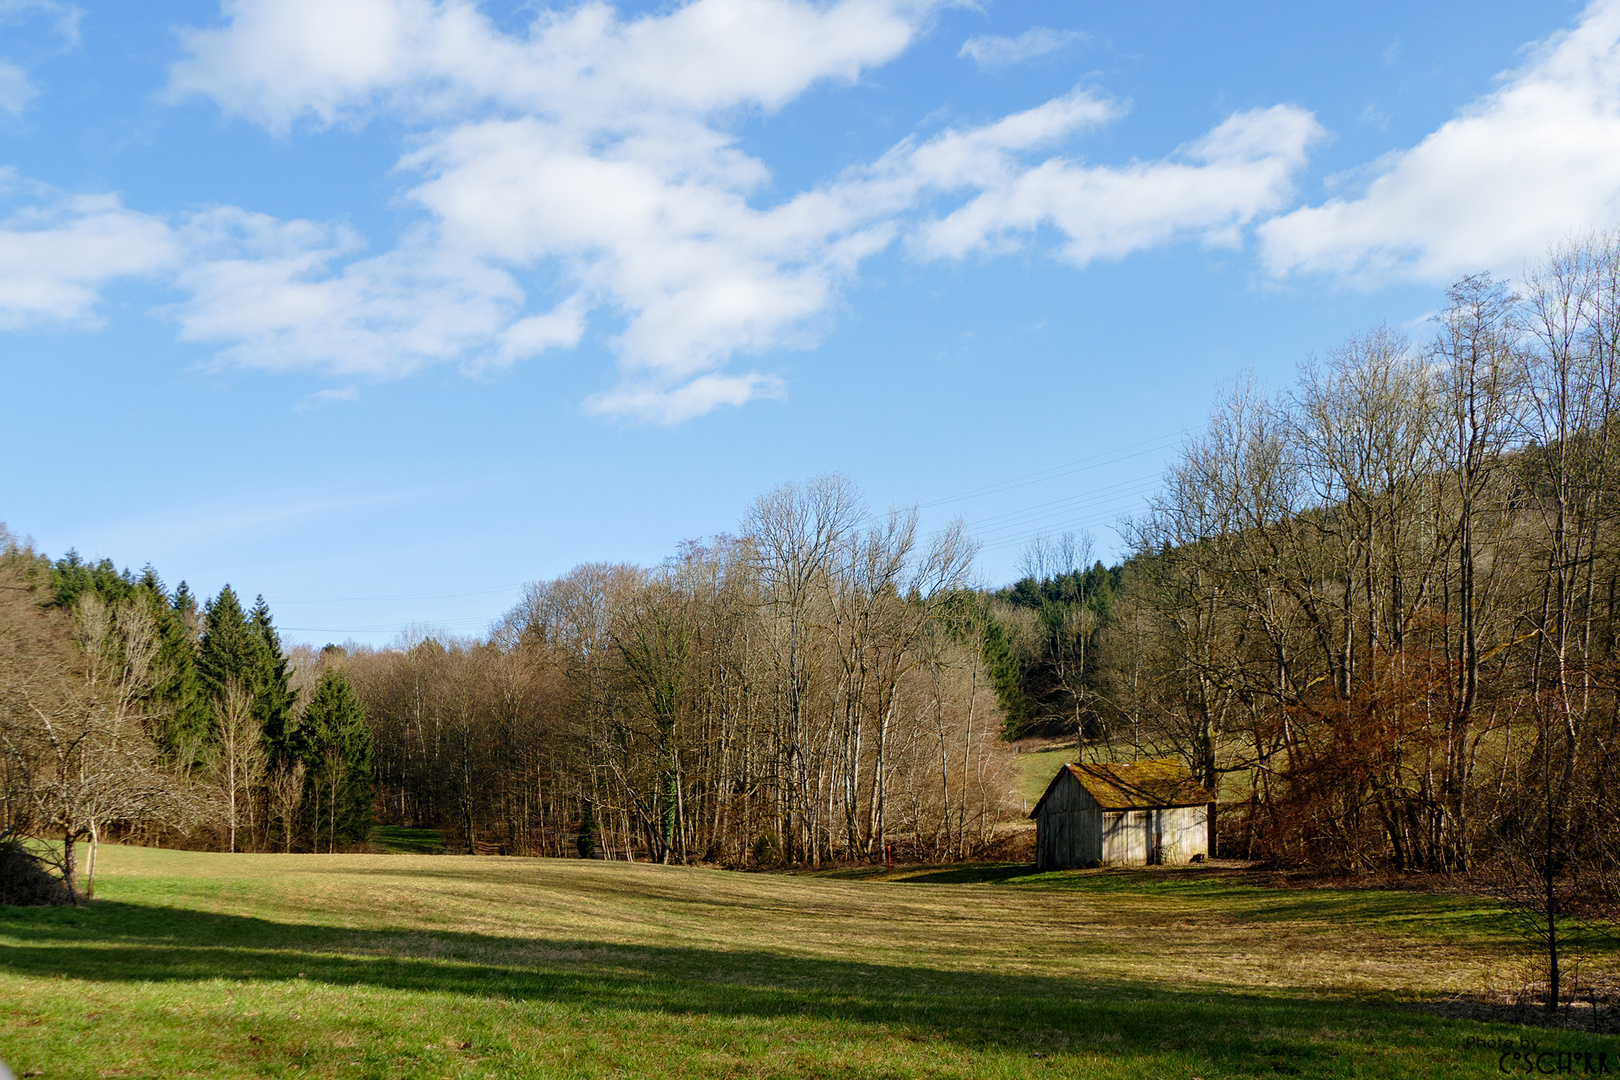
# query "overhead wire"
(1056, 472)
(402, 596)
(997, 532)
(1059, 507)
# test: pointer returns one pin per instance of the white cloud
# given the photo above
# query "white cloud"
(658, 227)
(991, 52)
(63, 17)
(986, 156)
(588, 144)
(58, 250)
(647, 401)
(1521, 168)
(595, 152)
(330, 396)
(1240, 170)
(272, 290)
(279, 60)
(15, 89)
(560, 328)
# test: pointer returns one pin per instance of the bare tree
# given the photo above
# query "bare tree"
(236, 759)
(72, 700)
(285, 791)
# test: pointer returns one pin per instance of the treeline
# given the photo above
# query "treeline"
(1379, 608)
(815, 687)
(812, 688)
(127, 712)
(1378, 611)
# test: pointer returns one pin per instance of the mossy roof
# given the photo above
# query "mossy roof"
(1129, 785)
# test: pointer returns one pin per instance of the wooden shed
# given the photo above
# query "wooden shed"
(1133, 814)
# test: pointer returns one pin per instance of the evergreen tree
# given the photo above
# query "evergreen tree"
(72, 577)
(179, 710)
(229, 647)
(180, 702)
(242, 646)
(1002, 667)
(274, 698)
(334, 743)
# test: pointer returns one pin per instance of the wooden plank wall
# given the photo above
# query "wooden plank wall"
(1160, 836)
(1068, 832)
(1183, 833)
(1072, 830)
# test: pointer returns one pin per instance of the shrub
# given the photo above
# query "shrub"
(767, 850)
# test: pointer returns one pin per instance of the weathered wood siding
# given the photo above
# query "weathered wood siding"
(1068, 830)
(1183, 833)
(1164, 835)
(1126, 837)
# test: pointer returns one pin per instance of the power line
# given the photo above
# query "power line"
(387, 599)
(1020, 539)
(1057, 472)
(1014, 518)
(471, 623)
(999, 532)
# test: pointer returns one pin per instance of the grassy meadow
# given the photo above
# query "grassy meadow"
(1033, 771)
(197, 964)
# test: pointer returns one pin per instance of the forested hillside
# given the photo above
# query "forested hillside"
(1377, 609)
(127, 712)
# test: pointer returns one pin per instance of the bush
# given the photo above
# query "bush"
(767, 850)
(24, 882)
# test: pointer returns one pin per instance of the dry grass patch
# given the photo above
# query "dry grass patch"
(406, 966)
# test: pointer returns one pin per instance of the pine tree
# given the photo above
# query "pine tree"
(181, 705)
(72, 578)
(245, 647)
(229, 648)
(1002, 667)
(334, 743)
(274, 698)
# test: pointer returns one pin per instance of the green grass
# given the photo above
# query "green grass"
(1035, 771)
(404, 840)
(450, 966)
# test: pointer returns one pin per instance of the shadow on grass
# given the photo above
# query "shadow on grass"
(115, 942)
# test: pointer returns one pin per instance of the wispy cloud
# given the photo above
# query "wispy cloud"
(592, 150)
(595, 146)
(16, 91)
(589, 141)
(991, 52)
(328, 397)
(1242, 169)
(64, 18)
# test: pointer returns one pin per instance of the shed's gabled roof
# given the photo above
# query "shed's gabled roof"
(1134, 784)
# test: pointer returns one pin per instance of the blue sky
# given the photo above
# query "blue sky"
(381, 308)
